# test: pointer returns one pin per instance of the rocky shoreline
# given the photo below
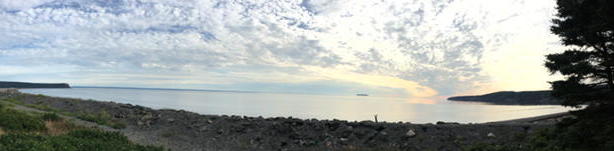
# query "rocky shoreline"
(186, 131)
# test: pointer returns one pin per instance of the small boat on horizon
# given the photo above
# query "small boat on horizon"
(362, 94)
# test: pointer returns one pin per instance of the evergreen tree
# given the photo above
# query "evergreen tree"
(586, 27)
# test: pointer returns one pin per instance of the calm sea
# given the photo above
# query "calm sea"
(351, 108)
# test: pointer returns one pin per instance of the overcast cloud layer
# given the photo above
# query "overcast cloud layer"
(417, 48)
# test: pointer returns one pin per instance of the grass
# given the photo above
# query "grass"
(78, 140)
(17, 121)
(38, 105)
(51, 117)
(21, 131)
(14, 99)
(102, 118)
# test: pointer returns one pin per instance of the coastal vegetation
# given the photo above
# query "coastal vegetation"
(586, 27)
(18, 121)
(102, 117)
(31, 131)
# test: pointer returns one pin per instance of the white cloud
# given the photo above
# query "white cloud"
(14, 5)
(433, 47)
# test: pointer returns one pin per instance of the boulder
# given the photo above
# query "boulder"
(410, 133)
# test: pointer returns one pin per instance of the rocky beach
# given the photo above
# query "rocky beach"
(187, 131)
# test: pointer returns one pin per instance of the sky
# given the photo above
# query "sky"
(404, 48)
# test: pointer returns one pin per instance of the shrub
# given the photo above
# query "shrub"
(12, 100)
(102, 118)
(17, 121)
(593, 129)
(79, 140)
(51, 117)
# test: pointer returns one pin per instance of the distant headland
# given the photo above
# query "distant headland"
(512, 98)
(7, 84)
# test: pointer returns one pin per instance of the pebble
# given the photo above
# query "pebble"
(383, 133)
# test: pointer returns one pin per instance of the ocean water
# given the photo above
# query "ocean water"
(304, 106)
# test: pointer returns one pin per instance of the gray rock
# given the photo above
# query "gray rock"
(383, 133)
(410, 133)
(204, 128)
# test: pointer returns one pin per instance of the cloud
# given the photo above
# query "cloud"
(425, 48)
(317, 7)
(413, 88)
(12, 5)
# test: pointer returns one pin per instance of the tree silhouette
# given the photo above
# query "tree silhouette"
(587, 28)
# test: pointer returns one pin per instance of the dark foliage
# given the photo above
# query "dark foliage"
(5, 84)
(587, 27)
(592, 130)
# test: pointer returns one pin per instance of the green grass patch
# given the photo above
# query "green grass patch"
(38, 105)
(22, 131)
(17, 121)
(78, 140)
(102, 118)
(51, 117)
(41, 107)
(12, 100)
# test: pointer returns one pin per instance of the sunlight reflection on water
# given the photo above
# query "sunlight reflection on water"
(352, 108)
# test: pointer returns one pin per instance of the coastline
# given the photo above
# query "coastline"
(548, 118)
(182, 130)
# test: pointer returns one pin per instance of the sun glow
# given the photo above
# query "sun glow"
(413, 88)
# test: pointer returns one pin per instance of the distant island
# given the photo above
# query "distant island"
(362, 94)
(512, 98)
(6, 84)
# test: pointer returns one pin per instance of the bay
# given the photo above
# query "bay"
(306, 106)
